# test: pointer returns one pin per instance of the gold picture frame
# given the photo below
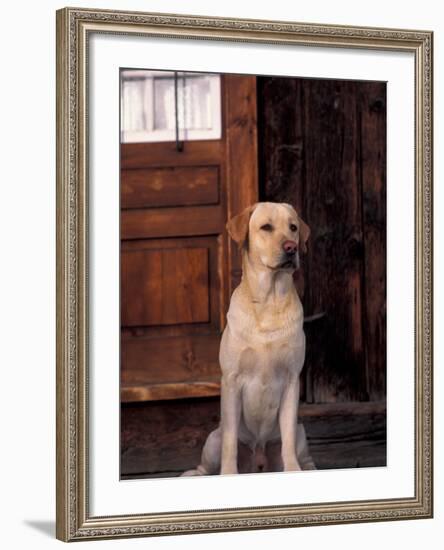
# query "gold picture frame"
(74, 25)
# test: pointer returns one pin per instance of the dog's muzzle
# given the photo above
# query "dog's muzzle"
(290, 261)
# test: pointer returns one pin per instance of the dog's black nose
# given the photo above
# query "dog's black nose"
(290, 248)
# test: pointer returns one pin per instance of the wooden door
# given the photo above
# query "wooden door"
(178, 267)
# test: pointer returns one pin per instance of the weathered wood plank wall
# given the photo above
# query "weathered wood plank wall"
(322, 147)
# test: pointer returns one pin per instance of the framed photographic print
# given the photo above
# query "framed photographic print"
(244, 274)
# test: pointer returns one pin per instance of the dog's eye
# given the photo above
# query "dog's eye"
(267, 227)
(293, 227)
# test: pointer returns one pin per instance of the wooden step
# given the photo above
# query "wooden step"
(165, 438)
(171, 390)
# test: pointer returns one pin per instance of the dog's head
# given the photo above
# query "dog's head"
(272, 234)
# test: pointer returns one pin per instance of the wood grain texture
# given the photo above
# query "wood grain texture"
(150, 155)
(281, 153)
(373, 177)
(333, 210)
(165, 391)
(172, 359)
(173, 186)
(323, 150)
(164, 287)
(167, 222)
(211, 245)
(241, 135)
(159, 440)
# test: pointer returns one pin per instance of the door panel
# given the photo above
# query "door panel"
(172, 222)
(175, 186)
(208, 246)
(179, 359)
(165, 287)
(176, 262)
(195, 153)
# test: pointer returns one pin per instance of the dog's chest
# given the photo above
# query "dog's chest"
(272, 362)
(264, 374)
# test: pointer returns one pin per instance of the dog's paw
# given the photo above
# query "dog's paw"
(228, 470)
(194, 472)
(291, 465)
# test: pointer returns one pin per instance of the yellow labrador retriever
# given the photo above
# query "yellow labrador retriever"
(262, 350)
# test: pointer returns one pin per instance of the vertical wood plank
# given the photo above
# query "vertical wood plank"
(373, 166)
(242, 172)
(336, 364)
(281, 168)
(281, 146)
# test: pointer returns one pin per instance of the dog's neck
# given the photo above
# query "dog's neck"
(266, 286)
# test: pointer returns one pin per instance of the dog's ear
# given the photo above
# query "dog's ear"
(237, 227)
(304, 233)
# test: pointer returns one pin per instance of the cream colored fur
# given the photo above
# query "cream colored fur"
(262, 351)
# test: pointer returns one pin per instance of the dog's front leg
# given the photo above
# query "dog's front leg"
(230, 416)
(288, 413)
